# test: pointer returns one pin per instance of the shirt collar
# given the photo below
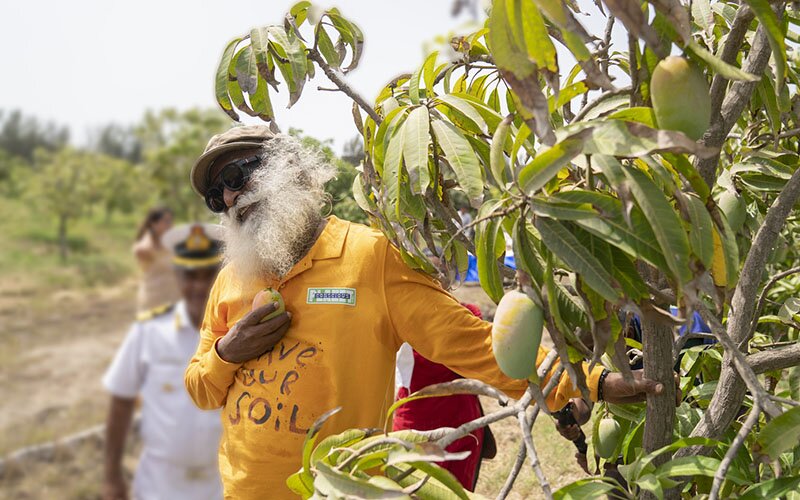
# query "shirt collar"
(330, 243)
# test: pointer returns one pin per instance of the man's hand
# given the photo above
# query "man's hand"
(581, 413)
(620, 391)
(249, 339)
(115, 489)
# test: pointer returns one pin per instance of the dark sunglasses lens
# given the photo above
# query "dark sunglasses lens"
(214, 200)
(233, 177)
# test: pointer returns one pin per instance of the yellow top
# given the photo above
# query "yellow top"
(353, 302)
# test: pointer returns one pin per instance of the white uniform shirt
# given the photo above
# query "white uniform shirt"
(151, 363)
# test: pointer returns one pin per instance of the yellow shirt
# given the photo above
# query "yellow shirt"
(353, 303)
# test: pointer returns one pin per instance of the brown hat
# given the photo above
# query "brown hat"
(246, 137)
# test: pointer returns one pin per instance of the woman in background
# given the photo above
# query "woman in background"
(157, 286)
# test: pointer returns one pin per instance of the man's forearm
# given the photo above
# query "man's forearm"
(119, 421)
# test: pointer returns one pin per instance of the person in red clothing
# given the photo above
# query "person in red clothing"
(414, 372)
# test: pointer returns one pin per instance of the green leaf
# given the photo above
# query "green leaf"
(566, 246)
(697, 466)
(332, 482)
(585, 488)
(632, 139)
(700, 232)
(686, 169)
(428, 74)
(649, 482)
(461, 158)
(561, 210)
(393, 164)
(341, 440)
(487, 234)
(301, 483)
(774, 30)
(774, 488)
(505, 48)
(350, 34)
(415, 149)
(718, 65)
(497, 156)
(261, 102)
(664, 221)
(566, 94)
(325, 46)
(540, 46)
(636, 239)
(295, 52)
(466, 111)
(642, 115)
(547, 164)
(360, 196)
(781, 434)
(311, 437)
(221, 81)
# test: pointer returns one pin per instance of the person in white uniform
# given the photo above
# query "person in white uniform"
(179, 459)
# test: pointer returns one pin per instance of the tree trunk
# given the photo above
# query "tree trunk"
(62, 237)
(657, 341)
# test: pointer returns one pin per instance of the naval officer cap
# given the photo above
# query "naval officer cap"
(194, 245)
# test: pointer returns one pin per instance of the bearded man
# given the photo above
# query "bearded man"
(350, 300)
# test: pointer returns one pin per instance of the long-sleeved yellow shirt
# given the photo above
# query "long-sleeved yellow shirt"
(353, 302)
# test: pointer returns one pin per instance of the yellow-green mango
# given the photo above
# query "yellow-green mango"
(516, 334)
(679, 93)
(607, 439)
(266, 296)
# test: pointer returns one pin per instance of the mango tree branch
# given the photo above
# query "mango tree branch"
(730, 49)
(337, 78)
(719, 476)
(730, 389)
(511, 410)
(774, 359)
(734, 103)
(515, 470)
(525, 426)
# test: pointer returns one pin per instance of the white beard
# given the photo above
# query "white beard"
(285, 197)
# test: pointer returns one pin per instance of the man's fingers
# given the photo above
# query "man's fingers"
(257, 314)
(647, 386)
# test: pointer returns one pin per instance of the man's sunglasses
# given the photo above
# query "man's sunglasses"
(233, 176)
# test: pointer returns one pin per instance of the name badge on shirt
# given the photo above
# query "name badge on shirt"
(344, 296)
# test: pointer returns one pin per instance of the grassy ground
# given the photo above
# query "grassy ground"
(60, 324)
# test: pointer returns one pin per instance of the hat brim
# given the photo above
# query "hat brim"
(199, 175)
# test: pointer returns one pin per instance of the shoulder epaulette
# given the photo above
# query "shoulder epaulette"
(154, 312)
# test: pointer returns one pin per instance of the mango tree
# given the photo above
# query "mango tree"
(632, 177)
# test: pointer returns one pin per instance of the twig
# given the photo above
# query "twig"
(511, 410)
(338, 80)
(774, 359)
(606, 44)
(493, 215)
(778, 399)
(633, 68)
(602, 97)
(763, 297)
(515, 470)
(719, 476)
(789, 133)
(537, 467)
(326, 89)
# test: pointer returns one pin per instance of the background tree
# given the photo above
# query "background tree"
(629, 182)
(61, 188)
(22, 135)
(171, 141)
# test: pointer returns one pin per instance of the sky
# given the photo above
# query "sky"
(86, 63)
